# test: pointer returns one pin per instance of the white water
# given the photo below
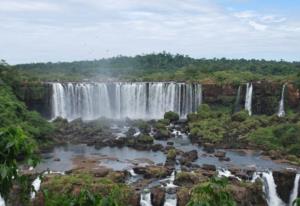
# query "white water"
(248, 100)
(270, 190)
(36, 185)
(132, 173)
(2, 203)
(145, 199)
(170, 200)
(120, 100)
(281, 111)
(295, 190)
(226, 173)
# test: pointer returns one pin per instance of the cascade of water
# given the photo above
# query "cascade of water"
(295, 190)
(120, 100)
(237, 100)
(226, 173)
(270, 190)
(132, 173)
(145, 198)
(36, 185)
(170, 200)
(281, 112)
(2, 202)
(248, 101)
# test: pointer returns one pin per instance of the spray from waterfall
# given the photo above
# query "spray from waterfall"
(281, 111)
(120, 100)
(248, 100)
(2, 202)
(295, 190)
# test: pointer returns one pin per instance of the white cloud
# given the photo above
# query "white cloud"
(27, 5)
(87, 29)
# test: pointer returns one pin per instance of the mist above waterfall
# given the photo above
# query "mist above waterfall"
(120, 100)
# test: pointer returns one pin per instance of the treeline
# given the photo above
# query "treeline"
(161, 66)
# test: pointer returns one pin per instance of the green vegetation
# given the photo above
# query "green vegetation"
(265, 132)
(14, 145)
(171, 116)
(85, 190)
(213, 192)
(163, 67)
(145, 139)
(171, 155)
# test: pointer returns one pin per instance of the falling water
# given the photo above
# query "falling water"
(281, 112)
(2, 202)
(36, 185)
(248, 101)
(170, 198)
(270, 190)
(295, 190)
(145, 198)
(120, 100)
(237, 101)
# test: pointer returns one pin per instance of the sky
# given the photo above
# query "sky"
(71, 30)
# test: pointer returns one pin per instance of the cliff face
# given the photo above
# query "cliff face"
(37, 97)
(265, 100)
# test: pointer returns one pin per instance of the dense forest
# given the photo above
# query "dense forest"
(163, 66)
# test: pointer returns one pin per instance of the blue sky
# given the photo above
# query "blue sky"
(68, 30)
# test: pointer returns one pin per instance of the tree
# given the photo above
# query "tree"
(15, 146)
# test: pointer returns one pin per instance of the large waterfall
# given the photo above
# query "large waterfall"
(281, 111)
(122, 99)
(270, 190)
(295, 190)
(248, 100)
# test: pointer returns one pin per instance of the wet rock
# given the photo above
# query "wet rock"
(188, 179)
(158, 196)
(209, 167)
(183, 196)
(152, 171)
(220, 154)
(285, 183)
(189, 157)
(208, 147)
(225, 159)
(157, 147)
(170, 143)
(56, 159)
(101, 172)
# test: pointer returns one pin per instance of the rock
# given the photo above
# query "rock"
(183, 196)
(152, 171)
(101, 172)
(157, 147)
(209, 167)
(227, 159)
(56, 159)
(189, 157)
(220, 154)
(188, 179)
(208, 147)
(285, 183)
(158, 196)
(170, 143)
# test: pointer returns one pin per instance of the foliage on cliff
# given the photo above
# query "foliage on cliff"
(84, 189)
(162, 67)
(240, 129)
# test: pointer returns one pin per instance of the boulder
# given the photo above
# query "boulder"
(158, 196)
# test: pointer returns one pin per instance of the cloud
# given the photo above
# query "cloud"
(27, 5)
(87, 29)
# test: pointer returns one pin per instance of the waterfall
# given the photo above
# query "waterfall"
(170, 200)
(36, 184)
(2, 202)
(237, 101)
(270, 190)
(295, 190)
(145, 198)
(281, 112)
(120, 100)
(248, 101)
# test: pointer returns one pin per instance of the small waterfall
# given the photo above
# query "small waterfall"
(145, 198)
(118, 100)
(295, 190)
(226, 173)
(270, 190)
(2, 202)
(171, 198)
(36, 185)
(237, 100)
(248, 100)
(132, 173)
(281, 111)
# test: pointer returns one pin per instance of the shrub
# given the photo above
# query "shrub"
(171, 116)
(204, 111)
(171, 154)
(240, 116)
(213, 192)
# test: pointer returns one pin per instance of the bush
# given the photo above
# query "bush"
(204, 111)
(171, 116)
(171, 154)
(145, 139)
(213, 192)
(240, 116)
